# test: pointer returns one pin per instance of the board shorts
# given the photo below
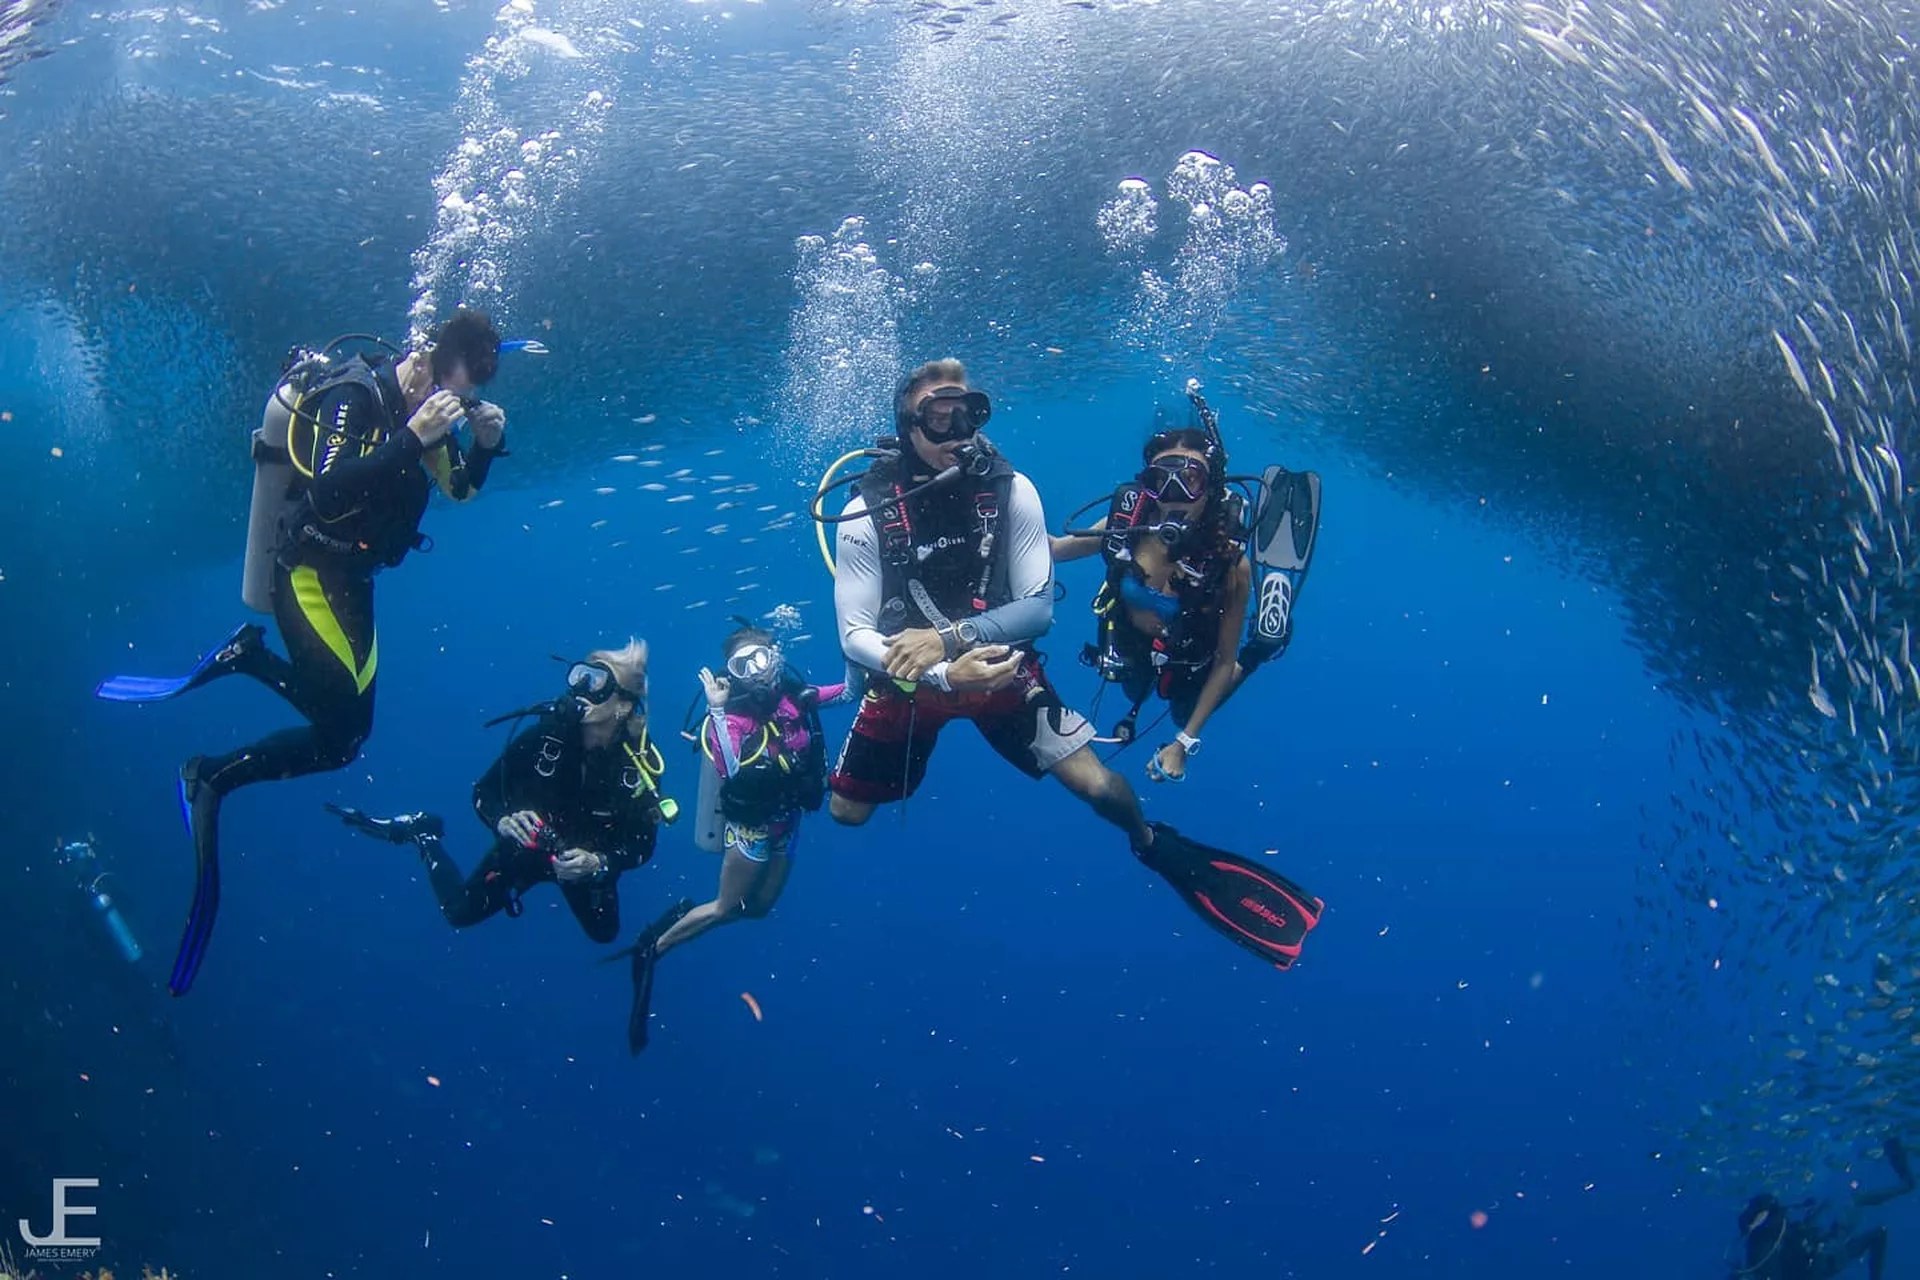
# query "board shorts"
(758, 844)
(886, 753)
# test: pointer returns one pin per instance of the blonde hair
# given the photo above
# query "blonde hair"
(928, 374)
(629, 667)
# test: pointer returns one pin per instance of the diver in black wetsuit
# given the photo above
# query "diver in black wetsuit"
(367, 441)
(575, 800)
(1775, 1245)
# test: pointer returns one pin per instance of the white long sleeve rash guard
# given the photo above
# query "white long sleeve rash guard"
(1026, 615)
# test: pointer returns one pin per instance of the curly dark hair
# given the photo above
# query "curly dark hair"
(467, 337)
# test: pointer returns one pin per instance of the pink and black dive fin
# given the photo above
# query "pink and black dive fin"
(1241, 900)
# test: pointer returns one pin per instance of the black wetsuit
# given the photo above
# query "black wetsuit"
(598, 800)
(1190, 661)
(1178, 664)
(354, 518)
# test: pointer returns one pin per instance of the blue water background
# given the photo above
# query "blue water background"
(1453, 754)
(1459, 753)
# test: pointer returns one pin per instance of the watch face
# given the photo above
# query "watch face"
(968, 632)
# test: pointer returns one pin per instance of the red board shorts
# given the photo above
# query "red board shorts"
(886, 754)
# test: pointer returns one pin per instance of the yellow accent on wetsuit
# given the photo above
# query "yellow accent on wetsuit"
(311, 595)
(439, 463)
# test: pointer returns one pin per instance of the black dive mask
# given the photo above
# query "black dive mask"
(1176, 478)
(951, 413)
(592, 683)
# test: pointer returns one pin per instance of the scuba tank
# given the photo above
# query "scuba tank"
(90, 879)
(709, 828)
(274, 476)
(272, 489)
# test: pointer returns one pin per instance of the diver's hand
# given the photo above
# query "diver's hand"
(577, 864)
(984, 670)
(910, 653)
(717, 689)
(523, 828)
(432, 420)
(489, 423)
(1169, 764)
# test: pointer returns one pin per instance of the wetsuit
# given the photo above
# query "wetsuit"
(1177, 663)
(1188, 648)
(972, 550)
(602, 801)
(772, 766)
(356, 516)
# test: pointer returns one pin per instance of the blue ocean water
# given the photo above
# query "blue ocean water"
(992, 1043)
(1452, 755)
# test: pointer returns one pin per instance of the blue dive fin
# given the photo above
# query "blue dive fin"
(206, 884)
(218, 661)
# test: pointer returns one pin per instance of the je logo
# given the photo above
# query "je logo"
(57, 1245)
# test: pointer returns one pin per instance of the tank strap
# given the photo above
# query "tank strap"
(279, 455)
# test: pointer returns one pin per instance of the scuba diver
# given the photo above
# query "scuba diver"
(346, 458)
(1777, 1245)
(91, 878)
(574, 800)
(1176, 540)
(764, 765)
(944, 581)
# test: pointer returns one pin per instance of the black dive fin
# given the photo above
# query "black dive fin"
(399, 829)
(1897, 1157)
(1243, 901)
(645, 955)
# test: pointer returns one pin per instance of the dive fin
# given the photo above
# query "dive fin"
(398, 829)
(1897, 1157)
(1243, 901)
(1287, 522)
(219, 661)
(201, 806)
(645, 955)
(1286, 526)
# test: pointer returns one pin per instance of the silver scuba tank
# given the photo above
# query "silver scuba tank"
(709, 828)
(272, 480)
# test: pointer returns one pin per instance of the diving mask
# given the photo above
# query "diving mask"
(947, 414)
